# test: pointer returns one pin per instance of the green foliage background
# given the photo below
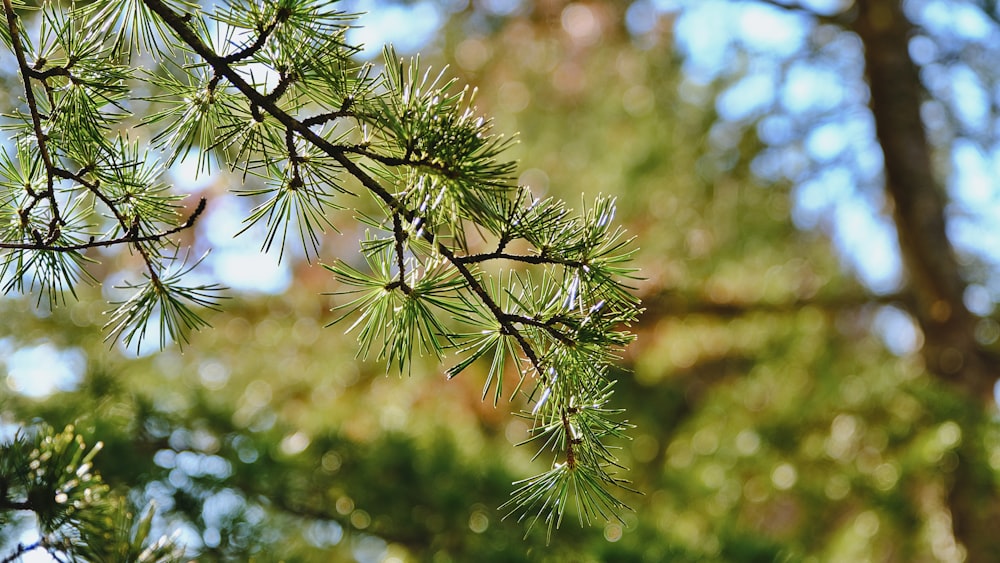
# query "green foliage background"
(771, 422)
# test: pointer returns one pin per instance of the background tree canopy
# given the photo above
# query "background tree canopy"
(812, 189)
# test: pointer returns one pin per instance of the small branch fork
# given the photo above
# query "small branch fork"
(21, 550)
(131, 238)
(36, 121)
(53, 172)
(509, 324)
(8, 504)
(222, 67)
(400, 240)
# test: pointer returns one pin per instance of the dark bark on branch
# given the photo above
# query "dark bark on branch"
(918, 203)
(839, 19)
(180, 26)
(950, 352)
(664, 304)
(21, 550)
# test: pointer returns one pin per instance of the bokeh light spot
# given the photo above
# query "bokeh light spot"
(580, 22)
(479, 521)
(784, 476)
(613, 532)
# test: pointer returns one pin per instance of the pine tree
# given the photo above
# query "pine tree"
(51, 475)
(459, 261)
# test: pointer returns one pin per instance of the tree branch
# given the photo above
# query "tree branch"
(511, 325)
(523, 258)
(400, 239)
(15, 505)
(53, 172)
(951, 350)
(255, 46)
(326, 117)
(36, 120)
(179, 25)
(664, 304)
(842, 19)
(21, 550)
(548, 326)
(426, 162)
(127, 239)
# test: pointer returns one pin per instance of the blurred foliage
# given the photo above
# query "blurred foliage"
(318, 128)
(772, 424)
(51, 475)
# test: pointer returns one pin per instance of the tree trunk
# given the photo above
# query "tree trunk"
(950, 349)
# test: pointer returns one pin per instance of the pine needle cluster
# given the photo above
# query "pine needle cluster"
(460, 262)
(50, 474)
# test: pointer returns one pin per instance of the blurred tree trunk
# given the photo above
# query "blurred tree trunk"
(950, 349)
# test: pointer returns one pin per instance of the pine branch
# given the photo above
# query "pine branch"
(219, 65)
(36, 121)
(576, 434)
(537, 259)
(258, 44)
(21, 550)
(426, 158)
(71, 123)
(400, 238)
(132, 238)
(6, 504)
(76, 513)
(842, 19)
